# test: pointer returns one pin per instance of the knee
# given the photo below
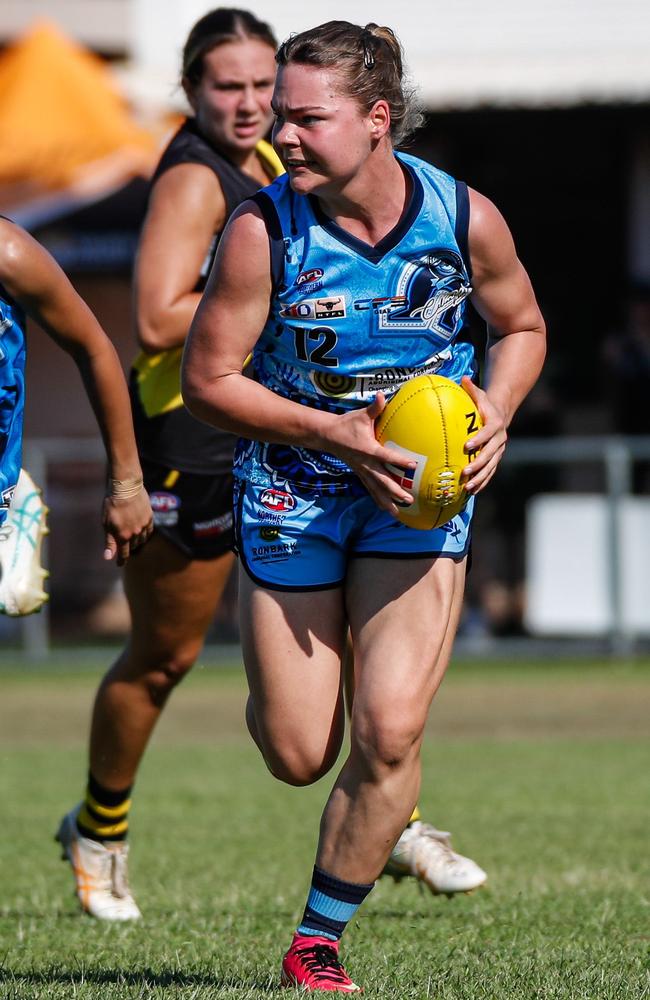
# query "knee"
(298, 766)
(163, 672)
(293, 755)
(385, 745)
(298, 761)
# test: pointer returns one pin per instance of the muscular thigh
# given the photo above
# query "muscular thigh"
(293, 644)
(403, 615)
(172, 598)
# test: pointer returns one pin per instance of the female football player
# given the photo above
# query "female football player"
(215, 161)
(32, 284)
(351, 268)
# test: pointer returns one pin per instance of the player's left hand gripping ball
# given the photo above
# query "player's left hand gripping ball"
(429, 420)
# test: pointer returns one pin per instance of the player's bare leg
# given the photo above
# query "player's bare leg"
(172, 601)
(424, 852)
(399, 669)
(295, 717)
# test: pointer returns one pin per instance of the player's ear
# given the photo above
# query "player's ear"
(379, 117)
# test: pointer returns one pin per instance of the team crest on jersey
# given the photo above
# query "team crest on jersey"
(429, 296)
(332, 307)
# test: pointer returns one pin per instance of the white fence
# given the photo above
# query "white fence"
(588, 556)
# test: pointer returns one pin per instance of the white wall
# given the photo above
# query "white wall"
(464, 52)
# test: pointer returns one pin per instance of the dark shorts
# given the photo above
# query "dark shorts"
(193, 512)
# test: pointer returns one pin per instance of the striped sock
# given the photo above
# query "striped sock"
(104, 815)
(330, 905)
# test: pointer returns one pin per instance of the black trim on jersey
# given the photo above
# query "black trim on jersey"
(461, 229)
(456, 556)
(188, 145)
(10, 300)
(271, 218)
(299, 588)
(4, 294)
(391, 240)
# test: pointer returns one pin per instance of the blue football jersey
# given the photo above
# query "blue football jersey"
(348, 319)
(12, 396)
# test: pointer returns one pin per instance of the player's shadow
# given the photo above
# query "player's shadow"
(20, 981)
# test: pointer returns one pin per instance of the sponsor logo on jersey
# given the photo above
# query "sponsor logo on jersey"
(270, 516)
(274, 553)
(332, 307)
(215, 526)
(269, 534)
(387, 380)
(386, 303)
(452, 528)
(277, 500)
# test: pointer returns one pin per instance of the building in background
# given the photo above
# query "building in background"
(544, 108)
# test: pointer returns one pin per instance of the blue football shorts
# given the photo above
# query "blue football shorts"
(294, 541)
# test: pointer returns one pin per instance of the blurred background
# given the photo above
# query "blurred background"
(545, 109)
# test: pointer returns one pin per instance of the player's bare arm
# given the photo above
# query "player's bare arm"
(38, 284)
(226, 326)
(504, 297)
(186, 208)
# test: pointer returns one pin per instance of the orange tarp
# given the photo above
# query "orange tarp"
(60, 112)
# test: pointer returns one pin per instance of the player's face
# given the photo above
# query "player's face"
(321, 134)
(232, 101)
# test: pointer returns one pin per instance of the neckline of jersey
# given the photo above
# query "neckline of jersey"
(375, 254)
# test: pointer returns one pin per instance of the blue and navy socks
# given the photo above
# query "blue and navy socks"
(330, 905)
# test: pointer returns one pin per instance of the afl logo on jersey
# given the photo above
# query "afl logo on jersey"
(277, 500)
(164, 502)
(310, 281)
(307, 277)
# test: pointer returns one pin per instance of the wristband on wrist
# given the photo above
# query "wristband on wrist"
(125, 489)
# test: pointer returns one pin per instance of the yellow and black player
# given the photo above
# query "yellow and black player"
(216, 160)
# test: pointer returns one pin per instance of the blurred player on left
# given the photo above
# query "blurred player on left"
(32, 284)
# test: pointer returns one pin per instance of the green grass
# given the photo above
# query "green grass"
(540, 770)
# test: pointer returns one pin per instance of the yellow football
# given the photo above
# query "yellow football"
(429, 420)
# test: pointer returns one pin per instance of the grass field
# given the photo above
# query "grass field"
(540, 770)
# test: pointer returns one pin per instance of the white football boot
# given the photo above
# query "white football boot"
(425, 853)
(100, 872)
(21, 536)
